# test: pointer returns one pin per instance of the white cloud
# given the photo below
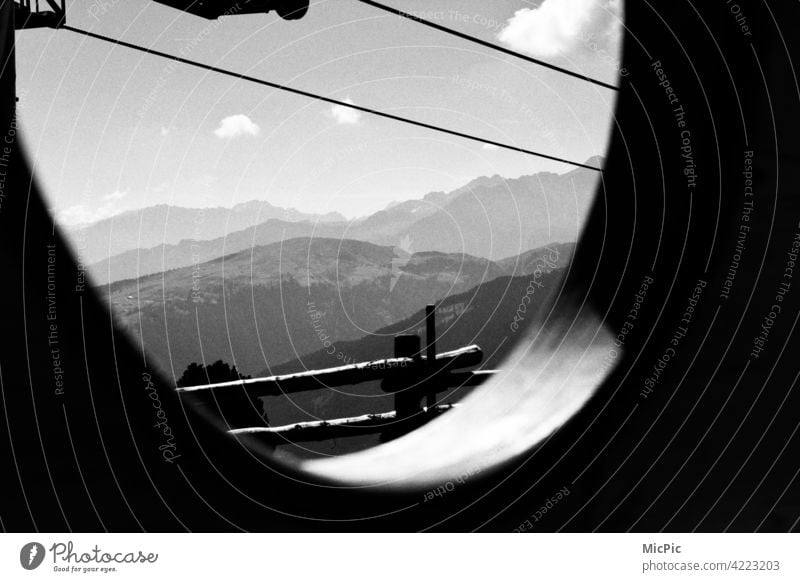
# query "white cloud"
(345, 115)
(81, 215)
(164, 131)
(490, 147)
(555, 27)
(235, 126)
(116, 195)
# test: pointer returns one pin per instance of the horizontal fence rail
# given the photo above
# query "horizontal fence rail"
(341, 427)
(345, 375)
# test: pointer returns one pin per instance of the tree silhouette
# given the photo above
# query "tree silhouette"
(197, 374)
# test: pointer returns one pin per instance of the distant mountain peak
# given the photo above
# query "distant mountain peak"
(432, 196)
(596, 161)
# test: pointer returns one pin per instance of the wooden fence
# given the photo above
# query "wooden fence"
(413, 374)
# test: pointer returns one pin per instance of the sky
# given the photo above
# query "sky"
(110, 129)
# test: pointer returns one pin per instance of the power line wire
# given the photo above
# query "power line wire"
(485, 43)
(311, 95)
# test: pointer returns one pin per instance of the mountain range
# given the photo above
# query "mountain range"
(274, 303)
(490, 217)
(168, 225)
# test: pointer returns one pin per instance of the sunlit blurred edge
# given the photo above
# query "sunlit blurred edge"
(547, 379)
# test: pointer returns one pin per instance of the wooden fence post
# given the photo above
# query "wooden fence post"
(406, 400)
